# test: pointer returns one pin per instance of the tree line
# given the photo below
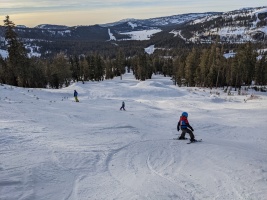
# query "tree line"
(188, 65)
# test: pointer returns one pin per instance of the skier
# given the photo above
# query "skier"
(122, 106)
(185, 127)
(76, 96)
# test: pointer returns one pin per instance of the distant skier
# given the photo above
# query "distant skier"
(76, 96)
(185, 127)
(122, 106)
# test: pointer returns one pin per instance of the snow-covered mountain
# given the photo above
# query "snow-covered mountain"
(247, 24)
(119, 29)
(238, 26)
(164, 21)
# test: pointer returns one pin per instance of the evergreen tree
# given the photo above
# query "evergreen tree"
(190, 67)
(120, 63)
(36, 75)
(60, 74)
(17, 60)
(261, 71)
(178, 68)
(203, 66)
(108, 69)
(167, 68)
(236, 72)
(219, 64)
(85, 71)
(75, 67)
(211, 76)
(91, 67)
(247, 62)
(99, 68)
(141, 67)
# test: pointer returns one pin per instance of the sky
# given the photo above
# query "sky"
(89, 12)
(52, 147)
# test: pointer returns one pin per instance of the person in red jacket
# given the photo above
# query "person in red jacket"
(184, 125)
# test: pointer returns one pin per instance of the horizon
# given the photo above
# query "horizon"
(33, 13)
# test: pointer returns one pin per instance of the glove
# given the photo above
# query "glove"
(178, 129)
(192, 129)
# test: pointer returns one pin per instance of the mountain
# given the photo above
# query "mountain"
(238, 26)
(50, 26)
(101, 32)
(164, 21)
(247, 24)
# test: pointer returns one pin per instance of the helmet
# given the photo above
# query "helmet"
(185, 114)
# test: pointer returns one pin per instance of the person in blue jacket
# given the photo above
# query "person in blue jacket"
(76, 96)
(185, 127)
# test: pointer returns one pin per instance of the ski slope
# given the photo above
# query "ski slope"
(52, 148)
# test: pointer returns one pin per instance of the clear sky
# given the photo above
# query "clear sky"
(90, 12)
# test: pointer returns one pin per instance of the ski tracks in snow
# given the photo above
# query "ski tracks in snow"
(148, 166)
(145, 167)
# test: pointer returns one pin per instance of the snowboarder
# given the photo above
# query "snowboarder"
(76, 96)
(122, 106)
(185, 127)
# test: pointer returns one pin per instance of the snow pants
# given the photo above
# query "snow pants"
(76, 99)
(186, 130)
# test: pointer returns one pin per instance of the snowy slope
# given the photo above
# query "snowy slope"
(54, 148)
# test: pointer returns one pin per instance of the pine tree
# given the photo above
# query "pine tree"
(85, 70)
(91, 67)
(204, 68)
(18, 62)
(247, 62)
(261, 71)
(190, 67)
(219, 63)
(141, 67)
(75, 67)
(211, 76)
(60, 74)
(99, 68)
(120, 63)
(108, 69)
(236, 72)
(167, 68)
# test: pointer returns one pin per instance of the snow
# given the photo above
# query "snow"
(261, 10)
(32, 53)
(133, 25)
(141, 35)
(175, 32)
(111, 36)
(54, 148)
(150, 50)
(231, 54)
(3, 53)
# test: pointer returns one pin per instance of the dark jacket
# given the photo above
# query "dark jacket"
(75, 93)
